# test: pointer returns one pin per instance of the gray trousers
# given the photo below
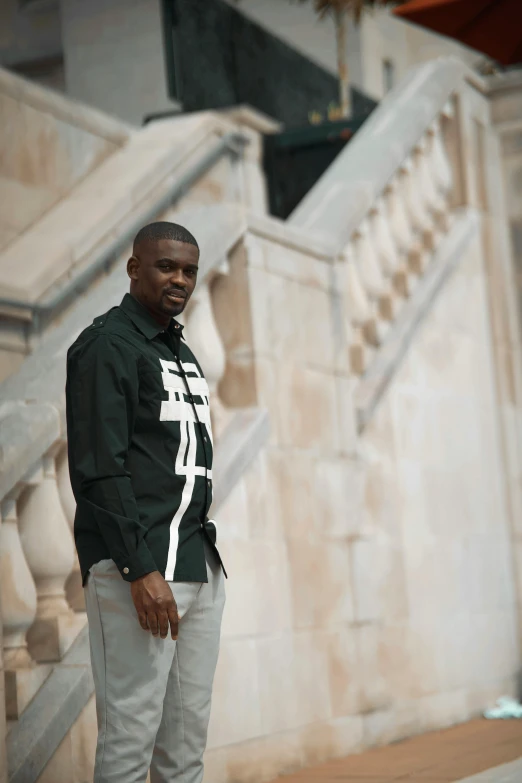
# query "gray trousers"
(152, 695)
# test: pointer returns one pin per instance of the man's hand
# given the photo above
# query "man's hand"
(155, 605)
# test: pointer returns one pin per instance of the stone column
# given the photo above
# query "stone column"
(207, 345)
(49, 549)
(73, 586)
(22, 677)
(3, 727)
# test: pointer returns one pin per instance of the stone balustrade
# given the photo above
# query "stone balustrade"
(36, 557)
(393, 245)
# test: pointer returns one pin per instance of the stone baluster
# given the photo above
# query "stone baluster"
(48, 546)
(372, 277)
(417, 256)
(387, 257)
(434, 202)
(73, 587)
(402, 235)
(425, 222)
(207, 345)
(22, 676)
(383, 239)
(442, 174)
(360, 314)
(367, 262)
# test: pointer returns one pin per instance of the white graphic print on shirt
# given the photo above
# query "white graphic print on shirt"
(177, 408)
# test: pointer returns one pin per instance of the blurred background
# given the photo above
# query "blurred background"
(354, 180)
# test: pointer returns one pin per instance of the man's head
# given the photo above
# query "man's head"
(163, 269)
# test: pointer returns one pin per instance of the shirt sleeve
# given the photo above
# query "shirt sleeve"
(102, 394)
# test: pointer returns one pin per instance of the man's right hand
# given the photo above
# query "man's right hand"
(155, 605)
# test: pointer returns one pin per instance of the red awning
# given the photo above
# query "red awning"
(493, 27)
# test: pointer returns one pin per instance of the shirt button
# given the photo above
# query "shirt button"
(208, 482)
(205, 438)
(125, 570)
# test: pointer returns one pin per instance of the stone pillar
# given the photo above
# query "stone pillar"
(73, 587)
(48, 547)
(22, 677)
(3, 726)
(208, 346)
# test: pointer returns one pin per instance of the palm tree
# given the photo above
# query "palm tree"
(341, 10)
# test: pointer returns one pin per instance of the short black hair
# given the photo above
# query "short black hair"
(164, 230)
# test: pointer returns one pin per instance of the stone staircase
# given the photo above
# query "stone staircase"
(303, 324)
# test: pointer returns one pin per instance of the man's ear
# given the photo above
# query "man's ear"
(133, 264)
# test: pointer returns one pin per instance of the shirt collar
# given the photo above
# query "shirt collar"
(144, 321)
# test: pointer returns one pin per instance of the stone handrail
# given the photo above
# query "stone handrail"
(39, 577)
(360, 174)
(69, 111)
(157, 166)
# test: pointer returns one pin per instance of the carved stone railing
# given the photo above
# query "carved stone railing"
(40, 584)
(393, 245)
(388, 202)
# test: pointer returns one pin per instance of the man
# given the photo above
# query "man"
(140, 456)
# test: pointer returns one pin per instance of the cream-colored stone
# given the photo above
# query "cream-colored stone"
(84, 734)
(233, 514)
(443, 709)
(3, 729)
(44, 154)
(287, 666)
(267, 394)
(261, 311)
(307, 412)
(264, 515)
(21, 685)
(237, 692)
(338, 484)
(289, 263)
(60, 768)
(332, 739)
(382, 498)
(374, 689)
(343, 670)
(324, 563)
(258, 599)
(292, 475)
(264, 758)
(347, 415)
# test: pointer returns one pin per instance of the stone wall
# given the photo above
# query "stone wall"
(371, 592)
(506, 103)
(436, 578)
(48, 144)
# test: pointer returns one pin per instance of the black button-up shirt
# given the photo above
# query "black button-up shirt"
(140, 447)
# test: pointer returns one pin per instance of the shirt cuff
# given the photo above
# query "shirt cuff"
(138, 564)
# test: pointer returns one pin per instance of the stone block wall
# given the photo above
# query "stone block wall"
(371, 592)
(445, 603)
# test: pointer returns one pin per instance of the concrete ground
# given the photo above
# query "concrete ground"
(480, 751)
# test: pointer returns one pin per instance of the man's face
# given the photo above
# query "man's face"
(163, 274)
